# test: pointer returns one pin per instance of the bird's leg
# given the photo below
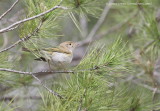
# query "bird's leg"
(49, 64)
(63, 66)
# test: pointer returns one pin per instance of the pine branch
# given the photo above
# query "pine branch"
(31, 18)
(46, 72)
(5, 13)
(15, 71)
(32, 74)
(50, 71)
(12, 28)
(24, 38)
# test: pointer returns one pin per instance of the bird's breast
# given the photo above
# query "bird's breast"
(61, 57)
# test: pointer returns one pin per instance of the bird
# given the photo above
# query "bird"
(57, 57)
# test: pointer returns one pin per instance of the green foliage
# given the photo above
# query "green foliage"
(103, 81)
(89, 86)
(11, 79)
(152, 31)
(35, 7)
(91, 7)
(131, 97)
(27, 28)
(93, 85)
(106, 58)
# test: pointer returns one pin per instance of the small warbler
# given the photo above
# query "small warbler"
(58, 57)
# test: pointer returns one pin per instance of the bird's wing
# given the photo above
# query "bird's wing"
(60, 50)
(48, 52)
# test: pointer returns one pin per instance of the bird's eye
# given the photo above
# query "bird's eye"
(69, 44)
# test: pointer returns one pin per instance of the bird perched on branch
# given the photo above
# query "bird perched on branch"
(57, 57)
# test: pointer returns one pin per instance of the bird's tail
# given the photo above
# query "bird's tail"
(41, 59)
(29, 50)
(25, 49)
(38, 59)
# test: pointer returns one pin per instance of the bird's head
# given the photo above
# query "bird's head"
(69, 45)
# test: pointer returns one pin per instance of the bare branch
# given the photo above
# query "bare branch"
(50, 71)
(12, 28)
(46, 72)
(5, 13)
(33, 75)
(102, 34)
(31, 18)
(5, 39)
(29, 73)
(24, 38)
(51, 91)
(100, 21)
(148, 44)
(13, 45)
(146, 86)
(13, 19)
(15, 71)
(10, 98)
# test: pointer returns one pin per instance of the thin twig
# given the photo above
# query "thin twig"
(23, 39)
(29, 73)
(11, 46)
(148, 44)
(5, 13)
(46, 72)
(5, 40)
(145, 86)
(51, 91)
(12, 19)
(100, 21)
(81, 100)
(32, 74)
(80, 106)
(12, 28)
(102, 34)
(18, 98)
(116, 27)
(15, 71)
(154, 93)
(50, 71)
(31, 18)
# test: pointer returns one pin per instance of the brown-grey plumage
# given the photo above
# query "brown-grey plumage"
(59, 56)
